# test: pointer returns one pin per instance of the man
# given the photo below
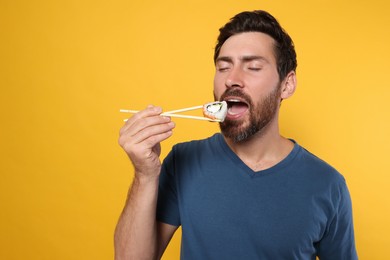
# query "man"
(247, 193)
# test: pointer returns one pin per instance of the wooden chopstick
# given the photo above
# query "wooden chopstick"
(171, 114)
(183, 110)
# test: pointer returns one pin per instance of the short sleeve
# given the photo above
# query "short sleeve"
(167, 202)
(338, 242)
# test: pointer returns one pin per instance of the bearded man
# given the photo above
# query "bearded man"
(244, 193)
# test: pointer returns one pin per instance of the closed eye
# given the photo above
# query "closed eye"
(222, 69)
(223, 64)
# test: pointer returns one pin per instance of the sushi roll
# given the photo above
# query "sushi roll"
(215, 110)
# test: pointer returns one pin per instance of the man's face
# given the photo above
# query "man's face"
(247, 79)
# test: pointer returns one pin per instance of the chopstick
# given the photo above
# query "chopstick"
(191, 117)
(183, 110)
(168, 112)
(171, 114)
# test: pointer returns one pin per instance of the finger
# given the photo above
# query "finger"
(144, 129)
(139, 152)
(151, 131)
(148, 112)
(144, 148)
(144, 123)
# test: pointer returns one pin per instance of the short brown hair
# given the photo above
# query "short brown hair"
(262, 21)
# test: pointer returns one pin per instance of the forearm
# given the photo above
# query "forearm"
(136, 232)
(140, 137)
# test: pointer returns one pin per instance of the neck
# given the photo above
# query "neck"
(263, 150)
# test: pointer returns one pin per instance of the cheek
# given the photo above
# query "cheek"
(219, 87)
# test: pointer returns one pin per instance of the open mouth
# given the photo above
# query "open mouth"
(236, 107)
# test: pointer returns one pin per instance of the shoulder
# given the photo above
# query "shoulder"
(317, 169)
(324, 181)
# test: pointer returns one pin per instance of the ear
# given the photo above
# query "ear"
(288, 85)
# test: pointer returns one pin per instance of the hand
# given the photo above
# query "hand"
(140, 137)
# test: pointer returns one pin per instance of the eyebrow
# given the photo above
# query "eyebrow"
(246, 58)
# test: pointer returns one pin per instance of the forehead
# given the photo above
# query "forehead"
(249, 44)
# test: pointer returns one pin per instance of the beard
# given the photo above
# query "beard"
(260, 115)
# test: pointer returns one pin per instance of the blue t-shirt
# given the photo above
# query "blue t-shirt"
(297, 209)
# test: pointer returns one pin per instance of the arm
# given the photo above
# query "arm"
(138, 235)
(339, 240)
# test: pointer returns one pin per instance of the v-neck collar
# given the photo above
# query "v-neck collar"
(237, 162)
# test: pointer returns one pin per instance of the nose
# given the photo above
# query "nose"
(234, 78)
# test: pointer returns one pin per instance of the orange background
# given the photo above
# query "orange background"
(67, 67)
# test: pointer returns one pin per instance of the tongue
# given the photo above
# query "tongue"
(237, 108)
